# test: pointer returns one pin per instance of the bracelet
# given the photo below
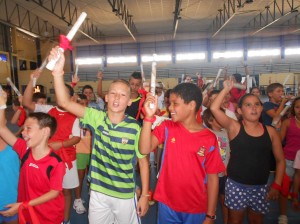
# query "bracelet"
(2, 107)
(73, 84)
(145, 195)
(151, 120)
(276, 186)
(213, 217)
(294, 195)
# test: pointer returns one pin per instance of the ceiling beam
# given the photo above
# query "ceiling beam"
(272, 13)
(224, 15)
(176, 16)
(17, 16)
(68, 12)
(121, 11)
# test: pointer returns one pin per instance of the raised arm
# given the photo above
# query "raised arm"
(27, 97)
(5, 133)
(147, 141)
(228, 123)
(62, 96)
(99, 84)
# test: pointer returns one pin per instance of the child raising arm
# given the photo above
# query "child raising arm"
(251, 145)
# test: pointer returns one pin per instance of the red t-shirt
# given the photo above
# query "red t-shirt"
(37, 177)
(65, 121)
(22, 117)
(187, 159)
(236, 94)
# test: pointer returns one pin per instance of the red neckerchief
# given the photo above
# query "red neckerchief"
(143, 93)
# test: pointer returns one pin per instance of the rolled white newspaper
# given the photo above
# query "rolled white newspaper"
(217, 78)
(76, 70)
(69, 36)
(153, 79)
(13, 86)
(275, 121)
(142, 73)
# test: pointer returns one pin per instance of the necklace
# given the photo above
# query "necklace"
(297, 119)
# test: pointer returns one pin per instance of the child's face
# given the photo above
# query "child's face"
(83, 102)
(251, 108)
(41, 101)
(32, 133)
(276, 95)
(297, 108)
(89, 94)
(118, 97)
(255, 92)
(135, 85)
(178, 109)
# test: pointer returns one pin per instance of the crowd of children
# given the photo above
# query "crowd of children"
(213, 146)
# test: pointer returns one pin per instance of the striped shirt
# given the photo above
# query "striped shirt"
(115, 147)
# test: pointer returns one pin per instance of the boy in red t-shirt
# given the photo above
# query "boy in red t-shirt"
(187, 187)
(42, 171)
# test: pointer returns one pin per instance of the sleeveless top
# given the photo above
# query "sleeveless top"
(292, 140)
(250, 157)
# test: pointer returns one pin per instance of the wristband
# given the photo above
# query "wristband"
(2, 107)
(294, 195)
(276, 186)
(25, 204)
(213, 217)
(73, 84)
(151, 120)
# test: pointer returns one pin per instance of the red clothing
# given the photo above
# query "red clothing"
(22, 117)
(236, 94)
(37, 177)
(65, 121)
(187, 159)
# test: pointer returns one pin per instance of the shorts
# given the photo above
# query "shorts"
(83, 160)
(168, 215)
(289, 169)
(71, 179)
(297, 160)
(105, 209)
(241, 196)
(222, 182)
(7, 219)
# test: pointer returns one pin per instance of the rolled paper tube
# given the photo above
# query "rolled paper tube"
(13, 86)
(34, 82)
(182, 78)
(206, 88)
(275, 122)
(76, 70)
(153, 81)
(218, 76)
(69, 36)
(249, 83)
(142, 73)
(285, 80)
(43, 65)
(239, 86)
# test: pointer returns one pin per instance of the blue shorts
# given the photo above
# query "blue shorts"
(241, 196)
(168, 215)
(7, 219)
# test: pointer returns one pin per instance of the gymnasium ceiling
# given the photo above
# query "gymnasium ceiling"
(124, 21)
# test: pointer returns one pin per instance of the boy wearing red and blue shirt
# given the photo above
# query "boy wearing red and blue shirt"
(187, 187)
(42, 171)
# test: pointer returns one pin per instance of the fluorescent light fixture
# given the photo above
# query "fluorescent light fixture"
(88, 61)
(27, 32)
(228, 54)
(190, 56)
(121, 60)
(158, 57)
(262, 53)
(292, 51)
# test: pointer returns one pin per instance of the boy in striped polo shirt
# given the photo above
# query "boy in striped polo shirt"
(114, 148)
